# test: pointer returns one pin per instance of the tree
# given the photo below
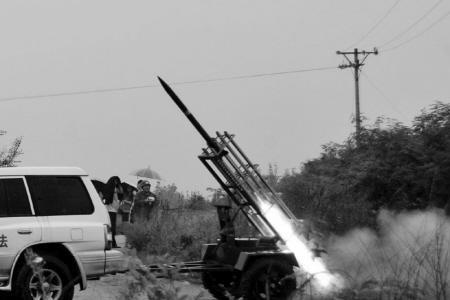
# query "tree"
(433, 126)
(169, 196)
(393, 166)
(196, 201)
(9, 155)
(272, 176)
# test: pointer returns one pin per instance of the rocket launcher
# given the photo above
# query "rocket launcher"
(240, 179)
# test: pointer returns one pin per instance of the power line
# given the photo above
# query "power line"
(253, 75)
(375, 25)
(420, 33)
(118, 89)
(388, 99)
(412, 25)
(79, 92)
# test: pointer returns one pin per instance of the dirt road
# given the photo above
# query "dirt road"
(110, 288)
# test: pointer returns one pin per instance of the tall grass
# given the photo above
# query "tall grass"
(180, 233)
(175, 233)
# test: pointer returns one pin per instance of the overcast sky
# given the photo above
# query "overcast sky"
(58, 46)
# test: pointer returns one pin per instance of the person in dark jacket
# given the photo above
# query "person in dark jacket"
(144, 202)
(113, 194)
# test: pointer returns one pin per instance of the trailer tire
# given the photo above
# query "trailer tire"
(268, 274)
(216, 283)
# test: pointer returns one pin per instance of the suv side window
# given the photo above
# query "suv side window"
(59, 195)
(13, 198)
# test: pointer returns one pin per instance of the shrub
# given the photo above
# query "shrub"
(179, 233)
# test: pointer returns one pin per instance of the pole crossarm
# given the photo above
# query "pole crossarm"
(350, 63)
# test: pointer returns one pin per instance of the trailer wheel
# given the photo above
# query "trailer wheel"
(268, 278)
(216, 283)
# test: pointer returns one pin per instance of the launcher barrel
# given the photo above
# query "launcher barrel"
(209, 141)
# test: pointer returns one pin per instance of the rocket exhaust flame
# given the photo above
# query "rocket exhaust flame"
(322, 278)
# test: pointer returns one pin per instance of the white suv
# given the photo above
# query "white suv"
(57, 213)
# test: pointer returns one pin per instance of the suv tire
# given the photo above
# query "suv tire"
(55, 278)
(268, 275)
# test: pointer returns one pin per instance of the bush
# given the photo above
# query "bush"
(391, 166)
(178, 233)
(197, 202)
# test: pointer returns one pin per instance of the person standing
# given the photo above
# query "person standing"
(144, 201)
(127, 203)
(113, 195)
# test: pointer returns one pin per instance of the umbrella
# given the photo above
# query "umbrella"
(130, 180)
(99, 185)
(133, 179)
(146, 173)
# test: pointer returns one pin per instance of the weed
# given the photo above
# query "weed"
(142, 284)
(178, 233)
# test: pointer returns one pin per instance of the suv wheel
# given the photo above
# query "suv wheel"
(51, 281)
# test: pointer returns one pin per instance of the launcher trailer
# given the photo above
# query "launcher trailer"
(251, 268)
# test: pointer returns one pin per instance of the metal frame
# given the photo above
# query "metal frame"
(188, 267)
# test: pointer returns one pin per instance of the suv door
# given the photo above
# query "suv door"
(19, 227)
(67, 207)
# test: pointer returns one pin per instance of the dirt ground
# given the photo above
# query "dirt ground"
(109, 288)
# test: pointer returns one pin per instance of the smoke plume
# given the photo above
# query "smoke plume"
(407, 257)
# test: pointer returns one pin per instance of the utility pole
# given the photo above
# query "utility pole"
(356, 64)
